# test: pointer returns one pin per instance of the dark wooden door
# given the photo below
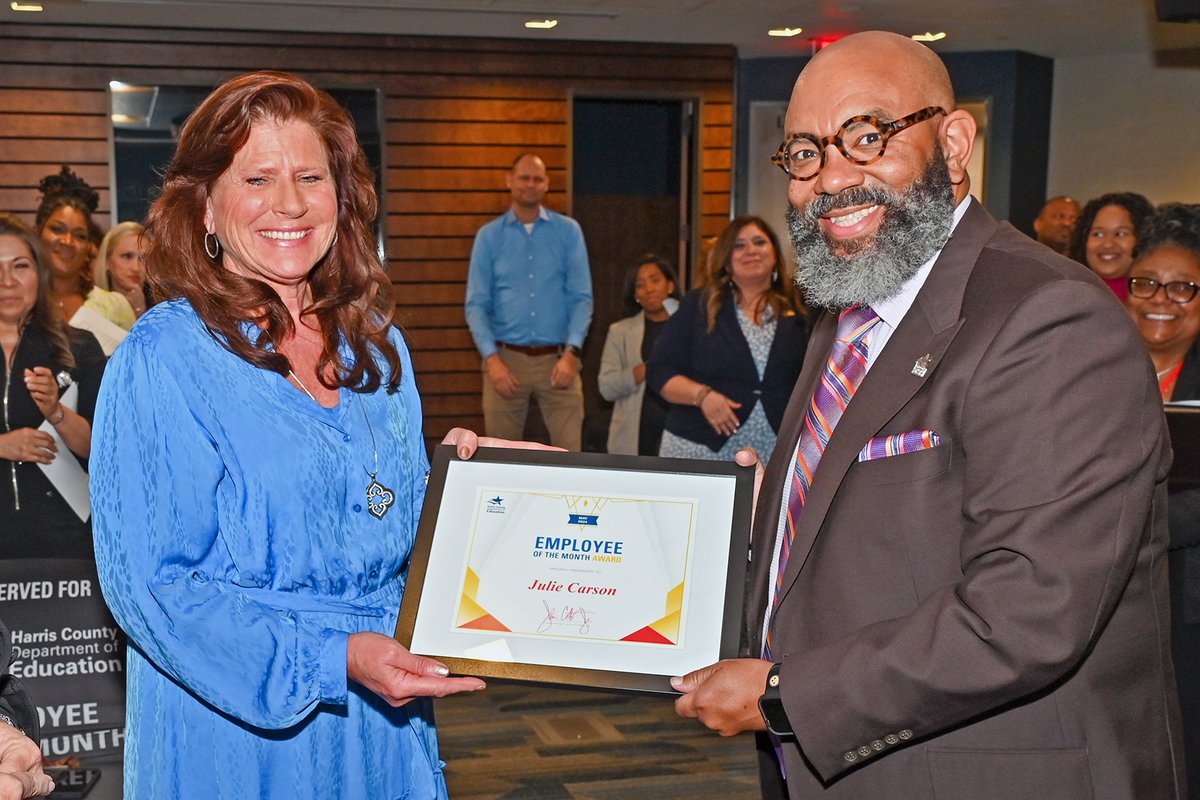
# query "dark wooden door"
(632, 192)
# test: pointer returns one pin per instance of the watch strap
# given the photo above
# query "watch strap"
(770, 705)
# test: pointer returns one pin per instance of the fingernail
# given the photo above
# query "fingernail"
(675, 681)
(480, 687)
(442, 669)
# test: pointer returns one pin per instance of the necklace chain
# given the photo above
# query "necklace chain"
(379, 497)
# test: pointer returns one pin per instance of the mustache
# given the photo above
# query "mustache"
(854, 196)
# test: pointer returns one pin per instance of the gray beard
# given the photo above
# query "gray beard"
(916, 224)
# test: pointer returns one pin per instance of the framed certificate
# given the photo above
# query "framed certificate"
(579, 568)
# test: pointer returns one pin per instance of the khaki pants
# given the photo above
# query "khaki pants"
(562, 409)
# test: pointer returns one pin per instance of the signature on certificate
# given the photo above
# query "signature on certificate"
(570, 616)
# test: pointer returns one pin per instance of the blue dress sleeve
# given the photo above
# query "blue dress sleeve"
(165, 572)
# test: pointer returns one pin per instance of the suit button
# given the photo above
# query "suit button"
(877, 745)
(864, 751)
(758, 391)
(851, 756)
(891, 738)
(905, 734)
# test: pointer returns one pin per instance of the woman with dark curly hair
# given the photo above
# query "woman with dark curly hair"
(728, 360)
(259, 473)
(1163, 302)
(42, 358)
(1106, 233)
(64, 223)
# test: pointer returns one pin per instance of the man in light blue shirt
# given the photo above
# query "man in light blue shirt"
(529, 304)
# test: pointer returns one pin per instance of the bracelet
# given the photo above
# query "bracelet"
(700, 395)
(62, 412)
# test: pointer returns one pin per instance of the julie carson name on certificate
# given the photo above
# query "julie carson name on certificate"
(596, 568)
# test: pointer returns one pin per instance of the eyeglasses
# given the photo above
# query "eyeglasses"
(1177, 291)
(861, 139)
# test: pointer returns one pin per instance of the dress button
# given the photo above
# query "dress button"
(346, 438)
(891, 738)
(905, 734)
(851, 756)
(877, 744)
(864, 751)
(357, 508)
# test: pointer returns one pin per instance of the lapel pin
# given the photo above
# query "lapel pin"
(922, 366)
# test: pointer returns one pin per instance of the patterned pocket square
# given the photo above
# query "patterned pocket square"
(884, 446)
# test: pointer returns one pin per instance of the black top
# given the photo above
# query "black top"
(38, 523)
(654, 409)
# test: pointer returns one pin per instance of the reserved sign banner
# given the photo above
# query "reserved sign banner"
(69, 653)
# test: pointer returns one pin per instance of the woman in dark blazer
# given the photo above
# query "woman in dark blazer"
(1164, 303)
(728, 359)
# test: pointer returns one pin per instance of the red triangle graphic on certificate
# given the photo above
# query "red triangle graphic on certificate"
(485, 623)
(647, 634)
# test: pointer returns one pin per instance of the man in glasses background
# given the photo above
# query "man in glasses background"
(959, 588)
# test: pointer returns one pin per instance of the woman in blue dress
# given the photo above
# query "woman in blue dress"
(258, 472)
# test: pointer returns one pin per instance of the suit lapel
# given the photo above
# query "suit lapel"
(928, 329)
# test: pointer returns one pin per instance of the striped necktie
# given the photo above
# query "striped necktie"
(843, 373)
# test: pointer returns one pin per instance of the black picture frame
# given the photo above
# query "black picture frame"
(737, 480)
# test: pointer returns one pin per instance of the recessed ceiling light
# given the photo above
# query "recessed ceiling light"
(15, 6)
(785, 31)
(541, 24)
(929, 37)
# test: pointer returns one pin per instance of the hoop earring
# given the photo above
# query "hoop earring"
(774, 275)
(333, 244)
(216, 247)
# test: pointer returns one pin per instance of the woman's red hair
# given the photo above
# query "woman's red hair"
(351, 292)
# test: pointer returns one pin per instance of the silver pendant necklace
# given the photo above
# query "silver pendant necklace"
(379, 497)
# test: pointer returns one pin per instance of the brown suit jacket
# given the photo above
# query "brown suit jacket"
(987, 618)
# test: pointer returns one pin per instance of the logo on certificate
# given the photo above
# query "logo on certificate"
(495, 505)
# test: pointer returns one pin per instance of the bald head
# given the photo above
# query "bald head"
(911, 69)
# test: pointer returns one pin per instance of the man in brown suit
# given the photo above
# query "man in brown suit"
(973, 602)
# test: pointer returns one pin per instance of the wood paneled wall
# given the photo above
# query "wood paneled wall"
(457, 112)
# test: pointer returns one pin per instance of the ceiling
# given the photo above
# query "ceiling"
(1052, 28)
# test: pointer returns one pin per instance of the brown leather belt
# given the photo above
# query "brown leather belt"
(532, 349)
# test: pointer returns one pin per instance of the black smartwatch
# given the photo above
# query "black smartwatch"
(771, 706)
